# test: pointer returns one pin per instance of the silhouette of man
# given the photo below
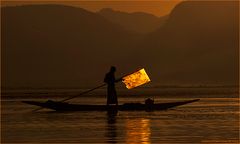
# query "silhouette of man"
(111, 91)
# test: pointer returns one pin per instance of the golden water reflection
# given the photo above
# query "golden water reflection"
(138, 131)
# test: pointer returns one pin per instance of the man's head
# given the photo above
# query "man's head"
(112, 69)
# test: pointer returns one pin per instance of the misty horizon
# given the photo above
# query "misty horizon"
(157, 8)
(104, 8)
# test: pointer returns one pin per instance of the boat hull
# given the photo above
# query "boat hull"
(59, 106)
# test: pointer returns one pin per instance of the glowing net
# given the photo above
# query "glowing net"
(136, 79)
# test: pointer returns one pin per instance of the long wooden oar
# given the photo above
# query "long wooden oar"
(83, 92)
(76, 95)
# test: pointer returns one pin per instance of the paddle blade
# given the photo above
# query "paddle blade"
(136, 79)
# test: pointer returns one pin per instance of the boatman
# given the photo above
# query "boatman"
(111, 91)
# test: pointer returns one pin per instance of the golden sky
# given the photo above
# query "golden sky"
(156, 7)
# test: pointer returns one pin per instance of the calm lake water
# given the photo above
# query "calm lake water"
(213, 119)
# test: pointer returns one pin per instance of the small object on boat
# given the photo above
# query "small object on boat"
(149, 101)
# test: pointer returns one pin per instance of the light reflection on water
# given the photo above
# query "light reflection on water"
(138, 131)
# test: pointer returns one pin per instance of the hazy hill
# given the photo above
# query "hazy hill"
(138, 21)
(199, 43)
(55, 45)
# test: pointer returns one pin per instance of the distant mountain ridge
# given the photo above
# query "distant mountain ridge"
(137, 21)
(63, 46)
(55, 44)
(199, 42)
